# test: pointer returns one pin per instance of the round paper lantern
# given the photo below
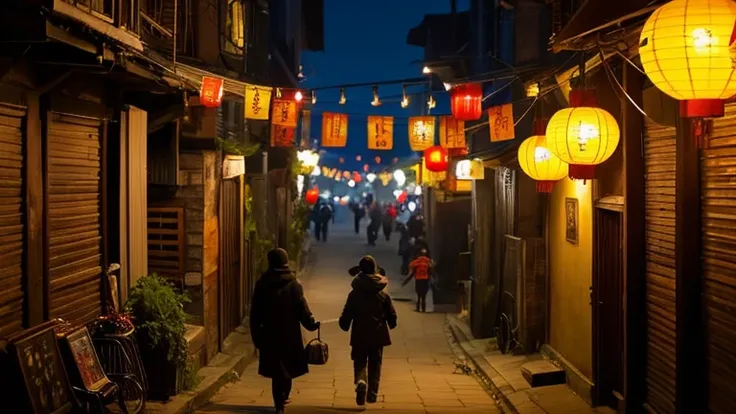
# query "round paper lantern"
(341, 160)
(395, 160)
(366, 167)
(582, 137)
(358, 158)
(540, 164)
(378, 160)
(684, 48)
(402, 197)
(466, 100)
(436, 158)
(311, 196)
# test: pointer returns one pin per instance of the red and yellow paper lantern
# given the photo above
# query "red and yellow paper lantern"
(466, 100)
(436, 159)
(210, 94)
(311, 196)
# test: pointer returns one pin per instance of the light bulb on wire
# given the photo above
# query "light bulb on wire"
(342, 97)
(404, 98)
(447, 86)
(376, 100)
(314, 97)
(431, 103)
(298, 96)
(426, 70)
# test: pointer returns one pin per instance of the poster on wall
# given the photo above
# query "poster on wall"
(233, 166)
(571, 220)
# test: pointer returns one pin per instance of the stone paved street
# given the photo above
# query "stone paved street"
(417, 369)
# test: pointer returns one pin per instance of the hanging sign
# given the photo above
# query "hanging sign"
(233, 166)
(282, 136)
(501, 122)
(257, 102)
(284, 113)
(452, 132)
(421, 132)
(334, 130)
(210, 94)
(380, 133)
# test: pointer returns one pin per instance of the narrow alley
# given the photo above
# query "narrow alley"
(417, 369)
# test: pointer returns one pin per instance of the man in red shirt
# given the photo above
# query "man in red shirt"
(419, 269)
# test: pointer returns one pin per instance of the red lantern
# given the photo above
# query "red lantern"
(378, 160)
(311, 196)
(401, 198)
(436, 159)
(356, 177)
(466, 101)
(210, 95)
(341, 160)
(366, 167)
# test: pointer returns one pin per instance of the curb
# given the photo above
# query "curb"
(489, 377)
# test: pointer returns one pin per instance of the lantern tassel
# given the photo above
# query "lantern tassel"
(545, 186)
(700, 130)
(581, 172)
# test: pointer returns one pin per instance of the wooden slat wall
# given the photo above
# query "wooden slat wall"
(718, 195)
(166, 242)
(659, 169)
(137, 194)
(73, 217)
(11, 220)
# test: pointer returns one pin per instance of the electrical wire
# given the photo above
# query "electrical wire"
(613, 80)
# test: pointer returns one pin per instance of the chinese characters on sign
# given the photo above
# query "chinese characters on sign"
(257, 102)
(452, 132)
(282, 136)
(334, 130)
(283, 123)
(210, 94)
(380, 133)
(501, 122)
(421, 132)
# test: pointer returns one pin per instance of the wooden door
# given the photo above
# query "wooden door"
(230, 234)
(608, 317)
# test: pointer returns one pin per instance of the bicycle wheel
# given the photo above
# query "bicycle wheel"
(504, 337)
(131, 396)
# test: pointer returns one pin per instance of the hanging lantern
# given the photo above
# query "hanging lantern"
(341, 160)
(466, 101)
(582, 136)
(311, 196)
(346, 175)
(378, 160)
(358, 158)
(421, 132)
(402, 197)
(210, 94)
(366, 167)
(356, 177)
(395, 160)
(685, 51)
(540, 164)
(436, 158)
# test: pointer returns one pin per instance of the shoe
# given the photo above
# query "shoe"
(372, 398)
(360, 391)
(280, 410)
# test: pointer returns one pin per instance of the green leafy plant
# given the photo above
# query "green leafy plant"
(298, 228)
(158, 313)
(261, 244)
(233, 147)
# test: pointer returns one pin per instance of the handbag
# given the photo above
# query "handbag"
(317, 351)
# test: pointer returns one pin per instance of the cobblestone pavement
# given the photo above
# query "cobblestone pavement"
(417, 369)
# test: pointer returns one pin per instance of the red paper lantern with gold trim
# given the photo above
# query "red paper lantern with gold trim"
(311, 196)
(402, 197)
(466, 101)
(210, 94)
(436, 159)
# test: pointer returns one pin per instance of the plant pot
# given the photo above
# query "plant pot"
(164, 378)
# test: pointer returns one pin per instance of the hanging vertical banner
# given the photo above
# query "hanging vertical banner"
(380, 133)
(284, 113)
(421, 132)
(334, 130)
(501, 122)
(210, 94)
(282, 136)
(257, 102)
(306, 129)
(452, 132)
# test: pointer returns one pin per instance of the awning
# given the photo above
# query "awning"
(194, 76)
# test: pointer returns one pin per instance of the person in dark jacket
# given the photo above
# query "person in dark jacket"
(316, 220)
(376, 218)
(358, 213)
(371, 313)
(278, 308)
(325, 215)
(389, 216)
(416, 226)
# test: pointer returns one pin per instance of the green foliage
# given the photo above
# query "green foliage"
(261, 245)
(298, 228)
(235, 148)
(158, 313)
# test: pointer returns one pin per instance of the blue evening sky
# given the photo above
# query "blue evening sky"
(365, 41)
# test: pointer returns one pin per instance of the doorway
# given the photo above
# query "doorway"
(607, 300)
(230, 236)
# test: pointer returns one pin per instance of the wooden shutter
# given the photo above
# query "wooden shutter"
(73, 217)
(659, 205)
(718, 195)
(11, 220)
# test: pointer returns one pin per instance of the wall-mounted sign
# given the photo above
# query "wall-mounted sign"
(233, 166)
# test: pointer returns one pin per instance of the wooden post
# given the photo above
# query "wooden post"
(690, 352)
(34, 212)
(634, 260)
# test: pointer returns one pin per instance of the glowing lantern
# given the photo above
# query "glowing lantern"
(540, 164)
(582, 136)
(402, 197)
(346, 174)
(210, 94)
(356, 177)
(686, 50)
(436, 159)
(311, 196)
(341, 160)
(366, 167)
(395, 160)
(466, 101)
(358, 158)
(378, 160)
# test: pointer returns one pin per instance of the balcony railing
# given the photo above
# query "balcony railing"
(121, 13)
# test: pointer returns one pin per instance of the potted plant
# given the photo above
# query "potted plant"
(158, 313)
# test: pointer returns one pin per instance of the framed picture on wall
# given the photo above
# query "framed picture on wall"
(571, 220)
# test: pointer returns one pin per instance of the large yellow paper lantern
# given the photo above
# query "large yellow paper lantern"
(684, 47)
(540, 164)
(582, 136)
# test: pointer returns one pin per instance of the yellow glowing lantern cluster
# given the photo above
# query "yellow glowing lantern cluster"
(540, 164)
(686, 51)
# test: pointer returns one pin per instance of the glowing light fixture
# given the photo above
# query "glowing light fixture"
(351, 183)
(342, 97)
(412, 206)
(426, 70)
(370, 177)
(298, 96)
(308, 158)
(447, 86)
(376, 100)
(418, 190)
(404, 98)
(316, 172)
(314, 97)
(540, 164)
(399, 177)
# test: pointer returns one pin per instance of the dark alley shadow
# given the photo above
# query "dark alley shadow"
(230, 408)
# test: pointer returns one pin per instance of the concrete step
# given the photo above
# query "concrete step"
(541, 373)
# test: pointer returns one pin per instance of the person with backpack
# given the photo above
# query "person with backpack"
(279, 308)
(325, 215)
(370, 313)
(419, 270)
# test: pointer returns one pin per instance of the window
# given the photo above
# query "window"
(235, 27)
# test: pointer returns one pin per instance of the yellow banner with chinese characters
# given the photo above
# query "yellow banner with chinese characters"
(334, 130)
(257, 102)
(421, 132)
(452, 132)
(380, 133)
(501, 122)
(284, 113)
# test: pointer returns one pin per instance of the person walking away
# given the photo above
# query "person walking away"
(416, 226)
(388, 221)
(371, 313)
(375, 223)
(316, 220)
(278, 308)
(419, 269)
(401, 220)
(358, 213)
(325, 215)
(333, 208)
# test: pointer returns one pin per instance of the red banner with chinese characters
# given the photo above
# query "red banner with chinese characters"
(282, 136)
(284, 113)
(452, 132)
(501, 122)
(334, 130)
(210, 94)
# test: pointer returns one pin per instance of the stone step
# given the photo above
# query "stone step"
(541, 373)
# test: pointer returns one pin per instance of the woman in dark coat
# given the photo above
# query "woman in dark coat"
(279, 307)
